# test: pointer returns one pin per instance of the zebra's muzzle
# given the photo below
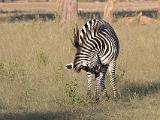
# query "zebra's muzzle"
(69, 66)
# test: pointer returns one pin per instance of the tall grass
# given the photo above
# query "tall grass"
(33, 78)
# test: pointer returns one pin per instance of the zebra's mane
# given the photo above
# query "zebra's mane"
(75, 41)
(90, 29)
(79, 37)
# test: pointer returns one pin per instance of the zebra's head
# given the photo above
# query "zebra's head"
(87, 61)
(91, 63)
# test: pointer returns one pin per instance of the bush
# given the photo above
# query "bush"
(72, 93)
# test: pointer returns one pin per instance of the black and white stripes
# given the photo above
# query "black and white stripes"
(97, 48)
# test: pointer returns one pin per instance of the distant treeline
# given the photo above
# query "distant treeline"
(55, 0)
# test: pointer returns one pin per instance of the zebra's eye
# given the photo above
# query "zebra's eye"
(86, 68)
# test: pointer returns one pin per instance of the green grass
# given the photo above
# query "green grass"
(35, 86)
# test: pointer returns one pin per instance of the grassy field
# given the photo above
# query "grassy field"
(35, 86)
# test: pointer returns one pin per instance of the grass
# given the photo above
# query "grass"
(35, 86)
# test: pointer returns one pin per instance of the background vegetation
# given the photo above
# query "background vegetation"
(35, 86)
(55, 0)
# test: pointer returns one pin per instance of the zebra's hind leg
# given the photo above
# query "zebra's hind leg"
(111, 70)
(89, 77)
(100, 88)
(102, 84)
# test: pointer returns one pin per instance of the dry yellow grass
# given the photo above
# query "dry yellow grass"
(35, 86)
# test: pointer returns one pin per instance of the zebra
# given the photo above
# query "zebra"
(97, 48)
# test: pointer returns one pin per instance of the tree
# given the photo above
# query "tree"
(67, 9)
(108, 10)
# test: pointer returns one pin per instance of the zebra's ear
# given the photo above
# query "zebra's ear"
(77, 31)
(69, 66)
(76, 37)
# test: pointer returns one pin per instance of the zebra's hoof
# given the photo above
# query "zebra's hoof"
(97, 100)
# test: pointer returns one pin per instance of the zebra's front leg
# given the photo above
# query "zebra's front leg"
(111, 70)
(89, 78)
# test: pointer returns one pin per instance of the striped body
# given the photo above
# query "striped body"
(97, 50)
(97, 38)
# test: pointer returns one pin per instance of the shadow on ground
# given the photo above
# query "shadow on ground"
(131, 90)
(41, 116)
